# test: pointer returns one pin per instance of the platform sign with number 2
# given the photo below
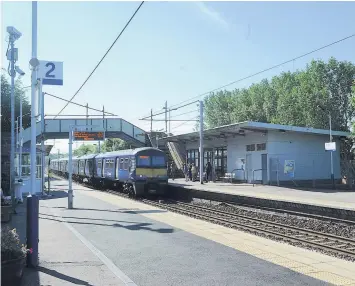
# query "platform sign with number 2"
(50, 72)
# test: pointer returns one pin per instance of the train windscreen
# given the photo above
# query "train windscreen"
(158, 161)
(143, 161)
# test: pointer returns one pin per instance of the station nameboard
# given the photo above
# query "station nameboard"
(88, 136)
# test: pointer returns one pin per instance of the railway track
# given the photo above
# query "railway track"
(340, 245)
(337, 245)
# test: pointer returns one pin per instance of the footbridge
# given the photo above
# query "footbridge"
(113, 127)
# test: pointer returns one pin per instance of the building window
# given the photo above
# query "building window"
(261, 147)
(251, 147)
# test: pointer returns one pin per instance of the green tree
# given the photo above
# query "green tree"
(6, 107)
(114, 144)
(291, 98)
(84, 150)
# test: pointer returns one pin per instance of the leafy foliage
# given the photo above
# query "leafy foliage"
(291, 98)
(108, 146)
(6, 107)
(84, 150)
(10, 245)
(114, 145)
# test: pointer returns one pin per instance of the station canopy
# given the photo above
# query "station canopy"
(243, 128)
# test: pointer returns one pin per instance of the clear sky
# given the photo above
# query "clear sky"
(172, 50)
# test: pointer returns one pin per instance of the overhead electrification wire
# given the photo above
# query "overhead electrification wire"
(114, 42)
(255, 74)
(181, 124)
(268, 69)
(78, 104)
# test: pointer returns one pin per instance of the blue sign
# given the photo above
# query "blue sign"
(289, 168)
(51, 73)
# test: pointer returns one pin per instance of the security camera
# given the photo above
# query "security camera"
(19, 71)
(13, 32)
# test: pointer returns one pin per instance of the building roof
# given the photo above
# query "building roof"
(242, 128)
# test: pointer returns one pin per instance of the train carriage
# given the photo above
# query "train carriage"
(138, 171)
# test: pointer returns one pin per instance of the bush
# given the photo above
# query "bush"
(10, 245)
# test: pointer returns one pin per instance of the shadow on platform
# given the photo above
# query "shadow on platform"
(118, 211)
(31, 277)
(55, 195)
(137, 226)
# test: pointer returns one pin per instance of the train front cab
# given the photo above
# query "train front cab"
(150, 175)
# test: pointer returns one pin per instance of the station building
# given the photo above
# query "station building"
(256, 151)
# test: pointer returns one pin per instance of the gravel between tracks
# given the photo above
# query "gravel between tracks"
(328, 227)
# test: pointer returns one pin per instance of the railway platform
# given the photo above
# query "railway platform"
(335, 200)
(153, 246)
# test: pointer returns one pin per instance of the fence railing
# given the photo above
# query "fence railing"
(256, 170)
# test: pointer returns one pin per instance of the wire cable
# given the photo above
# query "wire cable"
(114, 42)
(181, 124)
(78, 104)
(262, 71)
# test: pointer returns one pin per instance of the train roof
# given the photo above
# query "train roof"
(89, 156)
(109, 154)
(126, 152)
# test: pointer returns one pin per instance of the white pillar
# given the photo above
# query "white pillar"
(70, 169)
(201, 142)
(33, 99)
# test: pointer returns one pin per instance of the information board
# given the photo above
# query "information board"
(289, 168)
(88, 136)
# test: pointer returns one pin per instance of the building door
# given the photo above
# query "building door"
(249, 168)
(264, 168)
(220, 161)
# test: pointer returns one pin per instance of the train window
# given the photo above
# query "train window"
(122, 164)
(158, 161)
(133, 163)
(99, 163)
(143, 161)
(126, 163)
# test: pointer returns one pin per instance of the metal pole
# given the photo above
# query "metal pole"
(41, 99)
(87, 114)
(70, 170)
(20, 151)
(166, 116)
(201, 142)
(33, 99)
(151, 121)
(12, 103)
(331, 152)
(169, 120)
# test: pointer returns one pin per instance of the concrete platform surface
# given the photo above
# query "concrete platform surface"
(329, 198)
(63, 258)
(156, 247)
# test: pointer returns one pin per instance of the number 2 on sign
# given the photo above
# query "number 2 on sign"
(48, 73)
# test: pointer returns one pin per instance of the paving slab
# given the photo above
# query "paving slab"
(154, 253)
(342, 199)
(63, 258)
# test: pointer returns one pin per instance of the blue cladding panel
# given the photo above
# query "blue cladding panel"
(127, 128)
(139, 134)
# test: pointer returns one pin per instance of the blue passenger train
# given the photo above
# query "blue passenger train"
(138, 171)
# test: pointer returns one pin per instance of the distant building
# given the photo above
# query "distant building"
(269, 153)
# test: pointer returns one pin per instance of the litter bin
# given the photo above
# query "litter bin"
(18, 190)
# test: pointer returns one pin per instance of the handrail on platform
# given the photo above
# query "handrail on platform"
(254, 174)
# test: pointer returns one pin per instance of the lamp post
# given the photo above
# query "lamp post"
(331, 152)
(13, 57)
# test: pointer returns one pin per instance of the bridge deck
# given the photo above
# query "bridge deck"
(113, 127)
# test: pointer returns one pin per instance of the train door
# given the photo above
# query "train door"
(264, 168)
(117, 168)
(249, 168)
(103, 168)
